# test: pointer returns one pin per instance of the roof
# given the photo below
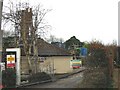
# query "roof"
(47, 49)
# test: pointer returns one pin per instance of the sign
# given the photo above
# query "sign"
(83, 51)
(10, 61)
(15, 52)
(75, 63)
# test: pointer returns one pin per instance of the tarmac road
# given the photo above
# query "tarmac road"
(69, 82)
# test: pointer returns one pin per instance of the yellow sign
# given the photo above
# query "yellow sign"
(10, 57)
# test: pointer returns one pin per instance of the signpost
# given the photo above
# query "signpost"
(77, 62)
(13, 61)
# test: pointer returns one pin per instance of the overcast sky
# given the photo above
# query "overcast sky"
(85, 19)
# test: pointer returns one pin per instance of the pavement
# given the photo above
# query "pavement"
(75, 71)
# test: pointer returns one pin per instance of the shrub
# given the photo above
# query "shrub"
(41, 76)
(9, 78)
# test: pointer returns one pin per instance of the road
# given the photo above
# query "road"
(69, 82)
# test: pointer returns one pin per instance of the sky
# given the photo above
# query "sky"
(85, 19)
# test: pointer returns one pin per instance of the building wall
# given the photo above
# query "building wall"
(54, 64)
(24, 65)
(62, 64)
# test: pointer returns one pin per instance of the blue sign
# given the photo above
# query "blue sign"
(83, 51)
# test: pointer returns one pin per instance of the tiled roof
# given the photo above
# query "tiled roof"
(47, 49)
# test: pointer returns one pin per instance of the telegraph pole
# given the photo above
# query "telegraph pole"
(1, 5)
(118, 43)
(1, 35)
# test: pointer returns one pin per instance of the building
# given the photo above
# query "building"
(51, 59)
(43, 56)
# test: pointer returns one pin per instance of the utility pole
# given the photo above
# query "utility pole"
(118, 42)
(1, 5)
(1, 35)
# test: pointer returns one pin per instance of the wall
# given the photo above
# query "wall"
(55, 64)
(62, 64)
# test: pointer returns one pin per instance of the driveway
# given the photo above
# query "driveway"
(69, 82)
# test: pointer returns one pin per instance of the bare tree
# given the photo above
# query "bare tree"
(53, 38)
(28, 25)
(7, 33)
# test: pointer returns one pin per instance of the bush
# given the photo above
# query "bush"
(9, 78)
(41, 76)
(96, 78)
